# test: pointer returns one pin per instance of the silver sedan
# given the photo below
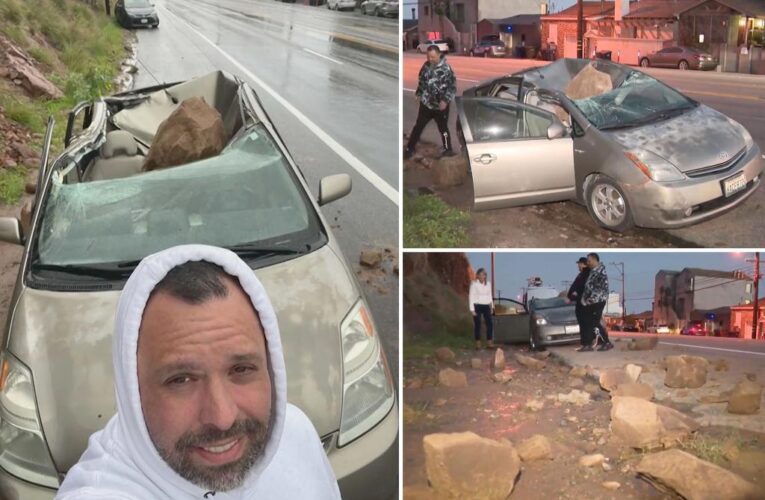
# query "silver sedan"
(631, 149)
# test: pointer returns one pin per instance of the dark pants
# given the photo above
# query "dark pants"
(424, 115)
(593, 318)
(485, 311)
(579, 310)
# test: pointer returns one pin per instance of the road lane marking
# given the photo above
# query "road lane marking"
(360, 167)
(322, 55)
(712, 348)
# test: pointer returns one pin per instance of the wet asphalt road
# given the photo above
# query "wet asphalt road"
(741, 97)
(329, 82)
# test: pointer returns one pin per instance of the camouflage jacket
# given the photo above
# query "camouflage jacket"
(437, 83)
(596, 287)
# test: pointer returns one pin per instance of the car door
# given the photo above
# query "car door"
(511, 321)
(518, 154)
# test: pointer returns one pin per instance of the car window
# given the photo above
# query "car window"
(495, 120)
(505, 307)
(247, 194)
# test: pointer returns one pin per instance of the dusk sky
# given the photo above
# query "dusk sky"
(512, 269)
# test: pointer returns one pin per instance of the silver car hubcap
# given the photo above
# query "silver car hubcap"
(608, 205)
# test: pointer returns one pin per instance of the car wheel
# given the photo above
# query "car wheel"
(644, 62)
(608, 205)
(682, 65)
(533, 344)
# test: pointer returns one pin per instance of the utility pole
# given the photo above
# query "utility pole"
(620, 266)
(579, 28)
(493, 281)
(756, 302)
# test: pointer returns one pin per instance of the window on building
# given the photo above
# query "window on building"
(459, 13)
(427, 10)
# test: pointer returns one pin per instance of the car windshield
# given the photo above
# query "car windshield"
(540, 304)
(137, 3)
(639, 100)
(246, 197)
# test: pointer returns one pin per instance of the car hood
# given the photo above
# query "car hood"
(699, 138)
(558, 315)
(65, 338)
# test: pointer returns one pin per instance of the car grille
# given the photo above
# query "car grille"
(719, 168)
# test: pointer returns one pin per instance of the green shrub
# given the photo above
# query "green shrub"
(12, 182)
(431, 223)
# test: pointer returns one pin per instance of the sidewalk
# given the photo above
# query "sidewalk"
(738, 367)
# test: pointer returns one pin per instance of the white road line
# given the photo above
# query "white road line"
(713, 348)
(360, 167)
(322, 55)
(466, 80)
(409, 90)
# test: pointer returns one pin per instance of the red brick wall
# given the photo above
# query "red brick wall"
(564, 28)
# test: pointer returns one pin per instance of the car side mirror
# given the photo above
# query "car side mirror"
(333, 187)
(10, 230)
(556, 131)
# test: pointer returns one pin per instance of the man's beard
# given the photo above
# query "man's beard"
(222, 477)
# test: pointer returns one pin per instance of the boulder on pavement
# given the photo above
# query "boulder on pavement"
(591, 460)
(444, 354)
(502, 377)
(476, 363)
(611, 378)
(576, 383)
(721, 365)
(645, 425)
(745, 398)
(686, 371)
(450, 171)
(537, 447)
(692, 478)
(643, 344)
(465, 465)
(633, 371)
(578, 371)
(592, 388)
(498, 362)
(372, 259)
(452, 378)
(634, 390)
(542, 354)
(530, 362)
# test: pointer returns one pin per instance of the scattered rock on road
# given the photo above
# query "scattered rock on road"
(643, 344)
(502, 377)
(537, 447)
(576, 383)
(611, 378)
(534, 404)
(476, 363)
(633, 371)
(591, 460)
(530, 362)
(498, 362)
(445, 354)
(693, 478)
(721, 365)
(635, 390)
(745, 398)
(686, 371)
(611, 485)
(370, 258)
(465, 465)
(542, 354)
(575, 397)
(645, 425)
(452, 378)
(578, 371)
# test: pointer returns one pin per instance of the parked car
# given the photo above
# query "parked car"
(97, 213)
(136, 14)
(641, 154)
(663, 329)
(441, 44)
(630, 328)
(381, 8)
(341, 4)
(489, 48)
(545, 322)
(694, 328)
(679, 57)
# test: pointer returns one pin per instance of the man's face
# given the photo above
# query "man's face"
(433, 57)
(205, 386)
(581, 265)
(592, 262)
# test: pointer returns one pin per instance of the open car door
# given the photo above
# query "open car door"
(511, 321)
(518, 154)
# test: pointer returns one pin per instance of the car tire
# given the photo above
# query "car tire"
(607, 204)
(644, 62)
(683, 65)
(533, 343)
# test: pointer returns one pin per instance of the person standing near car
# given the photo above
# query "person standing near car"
(481, 305)
(594, 298)
(575, 294)
(436, 89)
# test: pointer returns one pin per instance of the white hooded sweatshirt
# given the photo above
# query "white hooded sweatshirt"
(121, 461)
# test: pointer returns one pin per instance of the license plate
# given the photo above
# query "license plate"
(144, 21)
(571, 329)
(734, 184)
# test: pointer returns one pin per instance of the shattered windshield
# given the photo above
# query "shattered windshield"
(639, 100)
(247, 196)
(539, 304)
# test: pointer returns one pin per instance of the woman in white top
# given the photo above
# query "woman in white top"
(482, 305)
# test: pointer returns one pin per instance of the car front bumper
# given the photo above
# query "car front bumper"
(138, 22)
(665, 205)
(368, 467)
(556, 334)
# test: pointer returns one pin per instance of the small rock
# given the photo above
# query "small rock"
(530, 362)
(633, 371)
(578, 371)
(30, 188)
(592, 388)
(576, 383)
(502, 377)
(612, 377)
(498, 362)
(537, 447)
(542, 354)
(440, 402)
(452, 378)
(9, 163)
(721, 365)
(591, 460)
(445, 354)
(370, 258)
(642, 424)
(534, 404)
(686, 371)
(575, 397)
(643, 344)
(476, 363)
(745, 398)
(635, 390)
(611, 485)
(601, 442)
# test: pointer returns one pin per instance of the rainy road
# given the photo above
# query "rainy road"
(741, 97)
(329, 81)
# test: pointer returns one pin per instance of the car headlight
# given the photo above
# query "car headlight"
(23, 451)
(367, 389)
(654, 166)
(541, 320)
(744, 133)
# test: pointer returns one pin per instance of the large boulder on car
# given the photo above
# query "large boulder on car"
(642, 424)
(685, 372)
(193, 132)
(589, 82)
(465, 465)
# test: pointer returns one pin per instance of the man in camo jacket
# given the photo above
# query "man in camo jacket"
(436, 88)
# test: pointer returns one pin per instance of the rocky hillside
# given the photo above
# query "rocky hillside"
(435, 300)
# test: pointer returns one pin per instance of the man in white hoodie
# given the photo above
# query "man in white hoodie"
(201, 387)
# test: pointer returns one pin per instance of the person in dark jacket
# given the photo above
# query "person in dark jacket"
(436, 89)
(594, 298)
(575, 294)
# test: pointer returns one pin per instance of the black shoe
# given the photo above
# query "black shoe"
(408, 153)
(448, 152)
(585, 348)
(606, 347)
